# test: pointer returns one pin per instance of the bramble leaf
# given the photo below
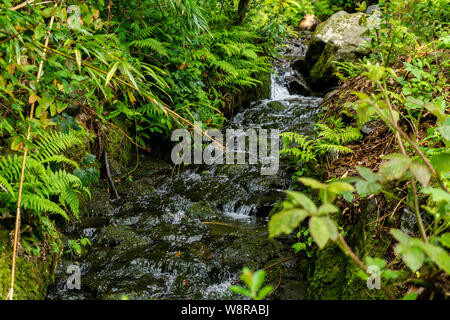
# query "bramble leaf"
(286, 221)
(319, 231)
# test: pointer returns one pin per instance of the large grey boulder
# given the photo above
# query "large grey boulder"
(337, 39)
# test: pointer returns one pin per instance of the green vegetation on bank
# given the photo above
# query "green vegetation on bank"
(405, 85)
(78, 78)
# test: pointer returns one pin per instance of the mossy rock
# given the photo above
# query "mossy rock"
(337, 39)
(250, 94)
(254, 252)
(335, 275)
(120, 149)
(33, 274)
(121, 237)
(276, 106)
(202, 210)
(327, 280)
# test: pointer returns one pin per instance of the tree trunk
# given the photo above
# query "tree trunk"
(242, 10)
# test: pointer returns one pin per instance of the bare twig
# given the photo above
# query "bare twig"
(111, 181)
(23, 4)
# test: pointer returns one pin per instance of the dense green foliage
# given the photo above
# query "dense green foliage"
(407, 71)
(155, 65)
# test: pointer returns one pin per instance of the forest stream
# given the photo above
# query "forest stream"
(187, 235)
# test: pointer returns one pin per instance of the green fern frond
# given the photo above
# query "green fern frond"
(147, 31)
(41, 205)
(10, 167)
(53, 143)
(69, 197)
(249, 53)
(153, 44)
(225, 66)
(338, 135)
(298, 146)
(59, 158)
(334, 147)
(6, 187)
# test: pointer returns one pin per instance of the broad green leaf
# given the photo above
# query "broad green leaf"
(17, 143)
(286, 221)
(51, 11)
(421, 172)
(299, 246)
(247, 277)
(436, 254)
(78, 59)
(339, 187)
(327, 209)
(111, 72)
(319, 231)
(303, 200)
(364, 276)
(44, 103)
(360, 95)
(60, 106)
(400, 236)
(395, 168)
(415, 102)
(313, 183)
(39, 32)
(258, 279)
(332, 229)
(240, 290)
(264, 292)
(412, 256)
(411, 296)
(367, 174)
(445, 239)
(445, 129)
(125, 70)
(374, 72)
(436, 110)
(441, 162)
(52, 109)
(380, 263)
(437, 195)
(365, 188)
(390, 274)
(348, 196)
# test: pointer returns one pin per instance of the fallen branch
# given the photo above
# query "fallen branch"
(108, 174)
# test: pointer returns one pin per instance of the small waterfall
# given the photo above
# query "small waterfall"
(278, 88)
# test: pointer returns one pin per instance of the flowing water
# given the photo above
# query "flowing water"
(188, 235)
